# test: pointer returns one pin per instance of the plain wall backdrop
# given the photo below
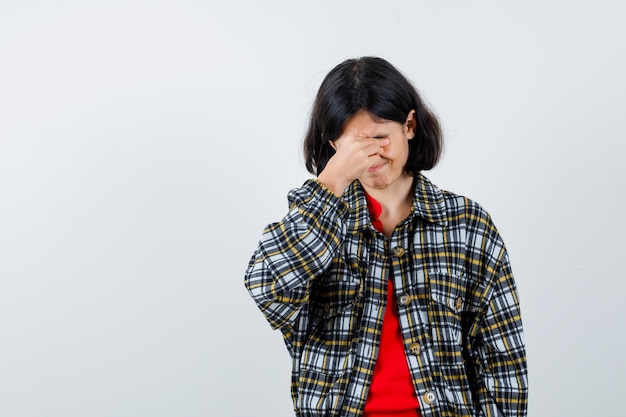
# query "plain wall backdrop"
(144, 146)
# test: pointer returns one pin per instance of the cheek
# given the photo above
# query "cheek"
(400, 152)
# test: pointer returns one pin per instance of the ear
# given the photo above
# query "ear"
(333, 145)
(410, 124)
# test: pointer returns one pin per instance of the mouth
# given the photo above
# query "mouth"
(375, 168)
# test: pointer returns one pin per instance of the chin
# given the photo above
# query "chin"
(377, 183)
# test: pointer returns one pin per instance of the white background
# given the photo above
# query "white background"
(145, 145)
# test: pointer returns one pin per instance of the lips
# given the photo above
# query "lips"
(375, 168)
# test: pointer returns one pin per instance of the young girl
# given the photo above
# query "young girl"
(394, 297)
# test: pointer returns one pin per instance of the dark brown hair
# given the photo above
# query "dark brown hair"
(374, 85)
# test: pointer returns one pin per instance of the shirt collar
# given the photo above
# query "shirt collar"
(428, 201)
(428, 204)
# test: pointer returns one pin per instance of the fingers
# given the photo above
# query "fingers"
(376, 146)
(360, 142)
(380, 143)
(358, 150)
(353, 156)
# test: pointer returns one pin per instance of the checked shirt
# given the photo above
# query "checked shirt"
(320, 276)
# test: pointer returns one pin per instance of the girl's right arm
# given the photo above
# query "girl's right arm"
(293, 252)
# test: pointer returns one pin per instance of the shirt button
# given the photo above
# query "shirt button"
(458, 303)
(415, 348)
(327, 308)
(398, 251)
(429, 397)
(405, 299)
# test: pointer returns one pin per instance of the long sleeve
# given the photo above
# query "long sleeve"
(501, 374)
(295, 251)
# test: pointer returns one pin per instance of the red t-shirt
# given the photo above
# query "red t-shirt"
(391, 392)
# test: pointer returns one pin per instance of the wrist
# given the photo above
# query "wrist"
(333, 183)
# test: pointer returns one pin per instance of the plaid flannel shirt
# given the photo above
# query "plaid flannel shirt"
(320, 276)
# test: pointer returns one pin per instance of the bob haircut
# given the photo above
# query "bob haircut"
(374, 85)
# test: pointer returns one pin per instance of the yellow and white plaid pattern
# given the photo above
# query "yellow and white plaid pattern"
(320, 276)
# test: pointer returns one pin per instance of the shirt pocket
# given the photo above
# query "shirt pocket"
(447, 305)
(445, 308)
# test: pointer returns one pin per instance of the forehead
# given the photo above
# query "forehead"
(363, 123)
